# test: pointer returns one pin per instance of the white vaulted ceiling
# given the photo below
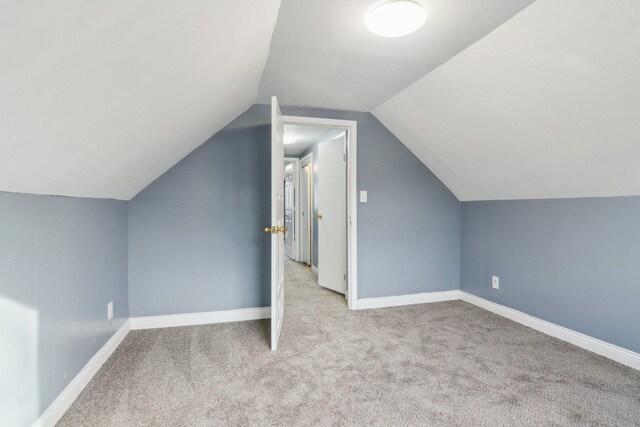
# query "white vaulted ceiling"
(98, 98)
(547, 105)
(323, 55)
(501, 99)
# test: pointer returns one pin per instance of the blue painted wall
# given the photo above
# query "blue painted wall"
(573, 262)
(61, 261)
(195, 234)
(192, 241)
(196, 240)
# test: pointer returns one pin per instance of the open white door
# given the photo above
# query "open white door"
(277, 222)
(332, 214)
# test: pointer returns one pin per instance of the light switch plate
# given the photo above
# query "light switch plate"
(110, 311)
(495, 282)
(363, 196)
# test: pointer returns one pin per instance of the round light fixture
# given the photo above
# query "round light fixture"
(289, 139)
(396, 18)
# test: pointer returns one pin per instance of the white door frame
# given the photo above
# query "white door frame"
(352, 197)
(277, 222)
(296, 202)
(304, 161)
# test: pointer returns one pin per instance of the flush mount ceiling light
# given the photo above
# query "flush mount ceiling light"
(289, 139)
(396, 18)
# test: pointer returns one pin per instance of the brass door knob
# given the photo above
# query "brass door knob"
(275, 230)
(319, 216)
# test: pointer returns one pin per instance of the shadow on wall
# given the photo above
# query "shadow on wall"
(62, 260)
(19, 391)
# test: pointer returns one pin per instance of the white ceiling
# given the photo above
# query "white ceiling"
(305, 137)
(546, 106)
(322, 54)
(98, 99)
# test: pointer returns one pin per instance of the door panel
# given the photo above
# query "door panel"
(277, 222)
(332, 215)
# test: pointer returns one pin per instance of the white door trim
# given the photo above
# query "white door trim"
(352, 197)
(296, 191)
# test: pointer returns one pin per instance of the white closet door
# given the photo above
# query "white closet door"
(332, 215)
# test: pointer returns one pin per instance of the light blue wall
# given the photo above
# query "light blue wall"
(409, 230)
(193, 241)
(61, 261)
(573, 262)
(196, 239)
(195, 235)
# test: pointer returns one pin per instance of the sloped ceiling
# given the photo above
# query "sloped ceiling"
(322, 54)
(97, 99)
(547, 105)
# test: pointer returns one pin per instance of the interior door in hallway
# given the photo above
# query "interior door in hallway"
(332, 214)
(305, 212)
(277, 228)
(289, 211)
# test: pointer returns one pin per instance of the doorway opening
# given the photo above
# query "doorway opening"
(314, 231)
(316, 200)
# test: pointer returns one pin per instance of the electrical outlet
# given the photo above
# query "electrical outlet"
(110, 311)
(495, 282)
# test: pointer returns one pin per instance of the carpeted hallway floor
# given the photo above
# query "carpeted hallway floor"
(432, 364)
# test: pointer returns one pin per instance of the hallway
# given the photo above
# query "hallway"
(304, 296)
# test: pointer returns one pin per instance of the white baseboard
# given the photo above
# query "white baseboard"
(56, 410)
(314, 270)
(59, 406)
(394, 301)
(189, 319)
(603, 348)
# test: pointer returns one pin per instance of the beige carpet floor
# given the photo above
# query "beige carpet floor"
(432, 364)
